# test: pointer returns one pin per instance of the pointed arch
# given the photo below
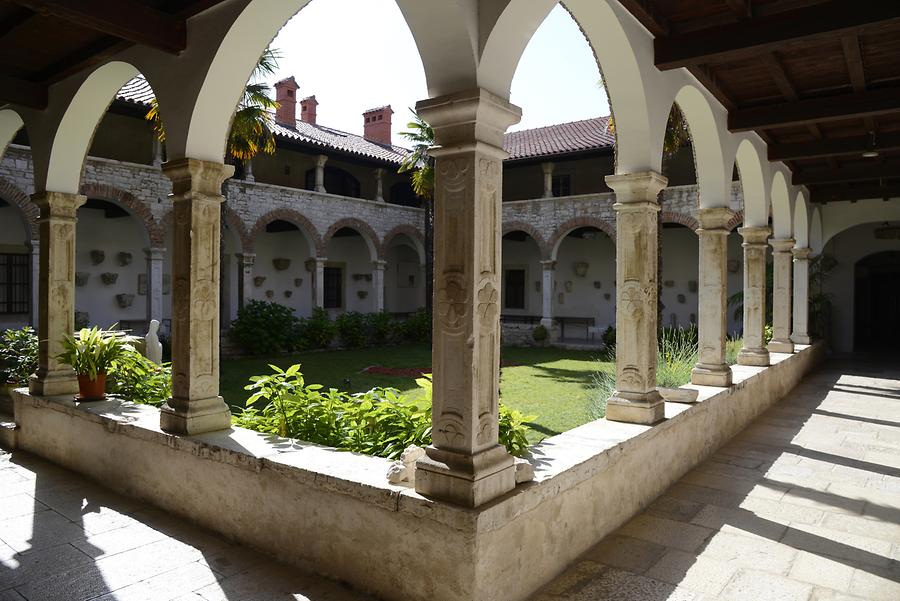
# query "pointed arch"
(816, 239)
(750, 161)
(707, 126)
(782, 217)
(801, 220)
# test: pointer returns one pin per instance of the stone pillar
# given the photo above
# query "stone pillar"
(157, 151)
(35, 287)
(781, 296)
(248, 171)
(800, 333)
(548, 179)
(466, 464)
(379, 184)
(636, 399)
(320, 172)
(549, 268)
(319, 281)
(245, 282)
(711, 368)
(754, 351)
(378, 284)
(56, 297)
(155, 258)
(195, 406)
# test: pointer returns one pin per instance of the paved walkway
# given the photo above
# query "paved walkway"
(803, 505)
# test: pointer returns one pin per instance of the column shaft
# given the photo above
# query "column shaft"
(636, 399)
(711, 368)
(379, 184)
(378, 284)
(465, 463)
(56, 297)
(195, 406)
(781, 296)
(319, 282)
(320, 172)
(35, 284)
(549, 268)
(547, 168)
(754, 351)
(800, 334)
(245, 281)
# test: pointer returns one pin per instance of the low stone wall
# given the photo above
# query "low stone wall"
(334, 513)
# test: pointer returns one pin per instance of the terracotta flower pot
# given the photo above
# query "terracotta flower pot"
(92, 390)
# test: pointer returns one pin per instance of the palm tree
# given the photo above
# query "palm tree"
(418, 161)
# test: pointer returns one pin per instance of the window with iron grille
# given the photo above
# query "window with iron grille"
(334, 281)
(15, 288)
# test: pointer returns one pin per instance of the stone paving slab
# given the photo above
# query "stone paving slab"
(804, 505)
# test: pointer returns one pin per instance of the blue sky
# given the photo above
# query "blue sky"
(372, 60)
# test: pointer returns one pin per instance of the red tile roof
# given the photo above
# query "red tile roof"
(576, 136)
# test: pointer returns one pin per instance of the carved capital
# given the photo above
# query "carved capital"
(469, 116)
(802, 254)
(640, 187)
(193, 177)
(782, 245)
(58, 206)
(755, 236)
(713, 219)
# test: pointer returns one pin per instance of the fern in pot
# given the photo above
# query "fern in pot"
(91, 353)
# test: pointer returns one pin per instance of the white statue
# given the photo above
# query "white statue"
(152, 343)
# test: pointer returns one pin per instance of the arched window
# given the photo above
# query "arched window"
(337, 181)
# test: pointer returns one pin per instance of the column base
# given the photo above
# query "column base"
(181, 416)
(648, 408)
(468, 480)
(756, 357)
(547, 322)
(706, 374)
(60, 382)
(781, 345)
(801, 339)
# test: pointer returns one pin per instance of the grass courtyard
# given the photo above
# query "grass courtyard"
(552, 384)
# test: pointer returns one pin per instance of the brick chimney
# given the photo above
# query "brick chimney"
(377, 124)
(286, 96)
(308, 109)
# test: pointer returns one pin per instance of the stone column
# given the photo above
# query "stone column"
(245, 282)
(781, 296)
(157, 151)
(56, 297)
(35, 287)
(548, 179)
(466, 464)
(320, 172)
(800, 334)
(636, 399)
(319, 282)
(549, 268)
(248, 171)
(711, 368)
(195, 406)
(155, 258)
(378, 284)
(379, 184)
(754, 351)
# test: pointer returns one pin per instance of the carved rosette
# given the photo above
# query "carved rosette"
(452, 302)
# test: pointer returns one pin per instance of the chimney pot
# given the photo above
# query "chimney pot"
(308, 109)
(377, 124)
(286, 96)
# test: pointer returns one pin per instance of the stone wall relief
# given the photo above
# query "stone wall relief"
(124, 258)
(97, 257)
(109, 278)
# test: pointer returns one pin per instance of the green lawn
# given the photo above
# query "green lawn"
(550, 383)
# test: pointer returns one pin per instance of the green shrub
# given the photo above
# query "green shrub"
(732, 348)
(315, 332)
(539, 334)
(264, 328)
(768, 333)
(18, 355)
(513, 431)
(609, 337)
(417, 328)
(138, 379)
(351, 329)
(379, 328)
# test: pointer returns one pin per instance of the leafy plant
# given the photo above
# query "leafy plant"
(379, 328)
(513, 430)
(93, 351)
(18, 355)
(263, 328)
(539, 333)
(351, 329)
(609, 337)
(732, 349)
(317, 331)
(138, 379)
(417, 328)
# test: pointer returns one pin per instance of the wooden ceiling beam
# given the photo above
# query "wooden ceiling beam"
(875, 171)
(742, 9)
(822, 195)
(14, 21)
(747, 38)
(834, 147)
(813, 110)
(123, 19)
(22, 92)
(649, 15)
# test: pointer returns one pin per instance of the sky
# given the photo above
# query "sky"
(372, 61)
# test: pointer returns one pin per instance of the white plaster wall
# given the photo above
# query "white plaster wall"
(352, 254)
(290, 245)
(95, 232)
(403, 261)
(680, 256)
(584, 300)
(848, 247)
(523, 255)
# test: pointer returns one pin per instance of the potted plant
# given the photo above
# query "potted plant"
(91, 352)
(18, 358)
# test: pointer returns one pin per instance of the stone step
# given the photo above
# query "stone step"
(7, 431)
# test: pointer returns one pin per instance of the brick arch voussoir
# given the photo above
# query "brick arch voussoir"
(410, 231)
(291, 216)
(10, 193)
(735, 221)
(521, 226)
(127, 200)
(679, 218)
(573, 224)
(235, 222)
(355, 224)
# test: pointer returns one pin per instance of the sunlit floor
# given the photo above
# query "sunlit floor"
(803, 505)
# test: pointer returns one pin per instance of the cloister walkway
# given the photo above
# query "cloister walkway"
(804, 504)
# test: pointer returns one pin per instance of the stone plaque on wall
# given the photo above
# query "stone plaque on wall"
(142, 284)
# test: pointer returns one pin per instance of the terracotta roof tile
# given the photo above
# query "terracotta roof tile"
(575, 136)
